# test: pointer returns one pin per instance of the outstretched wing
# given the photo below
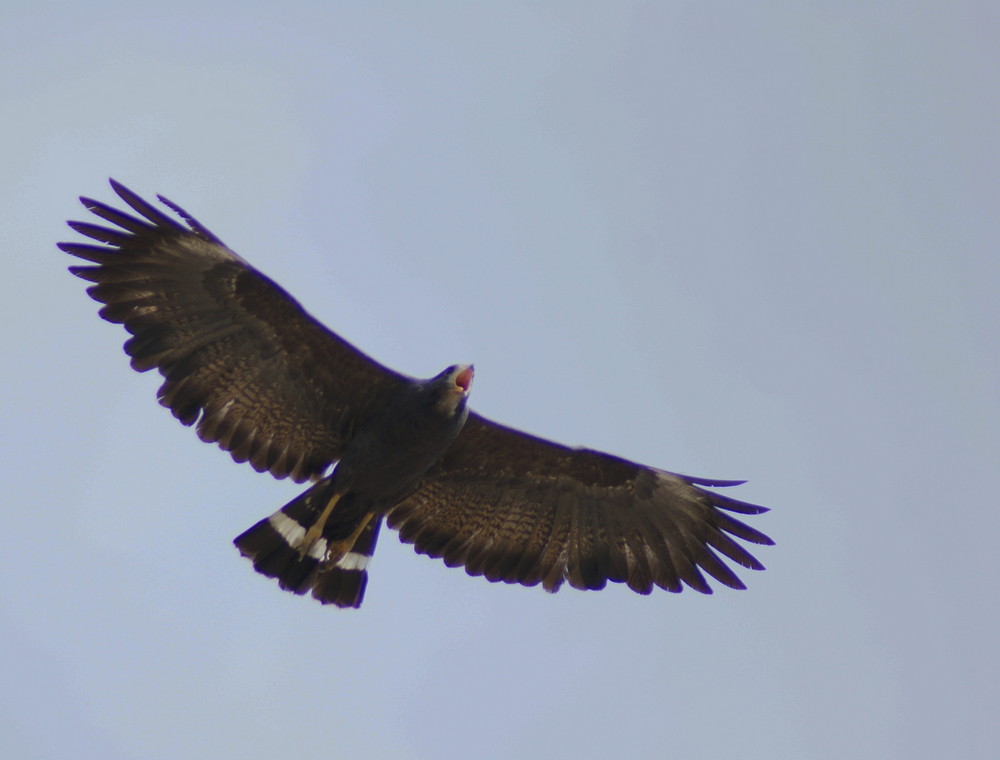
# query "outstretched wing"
(242, 359)
(520, 509)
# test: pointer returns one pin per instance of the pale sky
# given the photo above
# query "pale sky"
(734, 240)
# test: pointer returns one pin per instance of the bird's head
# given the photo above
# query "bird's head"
(453, 386)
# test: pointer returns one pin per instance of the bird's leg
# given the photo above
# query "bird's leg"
(337, 549)
(315, 531)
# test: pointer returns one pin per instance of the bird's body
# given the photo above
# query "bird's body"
(409, 431)
(314, 541)
(256, 374)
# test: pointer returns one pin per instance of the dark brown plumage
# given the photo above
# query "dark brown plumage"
(246, 365)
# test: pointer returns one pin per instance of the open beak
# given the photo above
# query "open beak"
(463, 378)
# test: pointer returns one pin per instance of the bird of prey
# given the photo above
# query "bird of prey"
(246, 365)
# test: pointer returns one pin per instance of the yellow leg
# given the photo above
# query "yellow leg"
(338, 549)
(315, 531)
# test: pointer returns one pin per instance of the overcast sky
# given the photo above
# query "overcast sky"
(735, 240)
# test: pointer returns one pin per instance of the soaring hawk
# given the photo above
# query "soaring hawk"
(253, 372)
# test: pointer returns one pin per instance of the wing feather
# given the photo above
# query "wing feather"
(517, 508)
(241, 359)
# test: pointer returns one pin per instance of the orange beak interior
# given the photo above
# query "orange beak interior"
(463, 379)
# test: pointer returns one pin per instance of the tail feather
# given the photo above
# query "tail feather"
(345, 588)
(274, 545)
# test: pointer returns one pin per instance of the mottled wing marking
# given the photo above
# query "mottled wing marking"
(519, 509)
(242, 360)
